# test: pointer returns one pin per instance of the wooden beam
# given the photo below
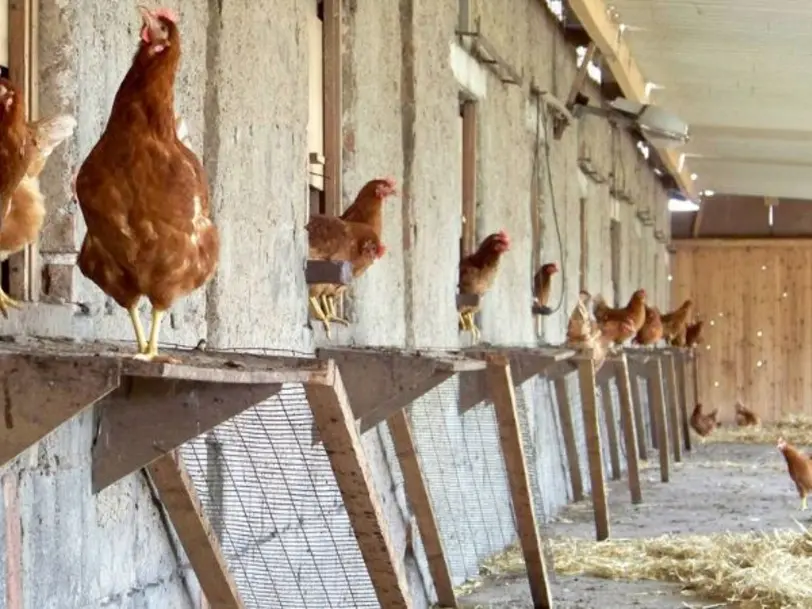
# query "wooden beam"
(682, 386)
(639, 422)
(418, 497)
(328, 271)
(771, 201)
(468, 300)
(147, 418)
(41, 393)
(586, 377)
(469, 175)
(629, 425)
(570, 446)
(690, 244)
(695, 376)
(576, 87)
(656, 401)
(500, 385)
(336, 425)
(333, 108)
(177, 493)
(611, 430)
(696, 225)
(673, 406)
(616, 53)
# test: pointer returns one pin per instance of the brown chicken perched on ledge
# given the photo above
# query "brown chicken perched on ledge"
(799, 466)
(675, 324)
(332, 238)
(542, 284)
(746, 417)
(693, 334)
(634, 313)
(477, 272)
(26, 210)
(652, 330)
(144, 195)
(16, 143)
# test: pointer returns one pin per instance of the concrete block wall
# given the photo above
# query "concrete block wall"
(243, 91)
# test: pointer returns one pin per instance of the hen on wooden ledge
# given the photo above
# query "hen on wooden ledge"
(144, 194)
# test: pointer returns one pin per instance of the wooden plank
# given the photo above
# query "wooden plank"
(734, 243)
(570, 445)
(469, 176)
(328, 271)
(403, 399)
(146, 418)
(639, 422)
(42, 393)
(611, 430)
(468, 300)
(657, 401)
(500, 386)
(586, 377)
(333, 106)
(418, 497)
(336, 424)
(194, 530)
(630, 429)
(672, 406)
(682, 386)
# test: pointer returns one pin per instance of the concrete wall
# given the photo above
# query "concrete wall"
(243, 91)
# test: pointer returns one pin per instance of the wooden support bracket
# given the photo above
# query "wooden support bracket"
(328, 271)
(177, 493)
(637, 405)
(336, 426)
(611, 430)
(42, 392)
(628, 422)
(682, 386)
(586, 377)
(380, 382)
(420, 502)
(576, 88)
(656, 401)
(673, 406)
(502, 394)
(146, 418)
(525, 363)
(570, 445)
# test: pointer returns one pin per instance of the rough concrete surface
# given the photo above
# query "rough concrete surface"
(717, 488)
(243, 90)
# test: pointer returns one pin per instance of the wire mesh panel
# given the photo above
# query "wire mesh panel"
(462, 463)
(275, 505)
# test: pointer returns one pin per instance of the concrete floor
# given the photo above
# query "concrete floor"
(719, 487)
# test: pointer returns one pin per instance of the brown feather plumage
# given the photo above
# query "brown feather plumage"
(478, 270)
(368, 205)
(16, 143)
(652, 330)
(542, 283)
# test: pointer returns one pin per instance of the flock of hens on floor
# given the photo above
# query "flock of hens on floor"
(144, 196)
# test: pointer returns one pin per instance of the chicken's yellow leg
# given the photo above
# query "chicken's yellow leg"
(151, 353)
(6, 303)
(803, 503)
(140, 337)
(320, 315)
(331, 311)
(461, 320)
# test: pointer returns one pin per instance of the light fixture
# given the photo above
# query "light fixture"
(759, 333)
(681, 205)
(707, 193)
(694, 177)
(715, 383)
(759, 364)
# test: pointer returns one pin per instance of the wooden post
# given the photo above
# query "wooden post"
(194, 530)
(637, 405)
(611, 430)
(586, 377)
(673, 406)
(418, 497)
(629, 428)
(336, 425)
(333, 136)
(682, 382)
(570, 446)
(502, 394)
(695, 375)
(657, 402)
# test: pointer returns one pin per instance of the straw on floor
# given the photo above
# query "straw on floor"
(795, 429)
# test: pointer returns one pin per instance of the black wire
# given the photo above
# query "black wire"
(541, 120)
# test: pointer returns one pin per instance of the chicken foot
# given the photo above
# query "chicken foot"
(6, 303)
(320, 315)
(803, 503)
(150, 354)
(328, 305)
(140, 336)
(467, 323)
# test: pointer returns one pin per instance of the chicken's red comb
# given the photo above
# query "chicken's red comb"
(503, 235)
(381, 250)
(390, 181)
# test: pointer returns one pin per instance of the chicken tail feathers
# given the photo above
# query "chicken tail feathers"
(51, 132)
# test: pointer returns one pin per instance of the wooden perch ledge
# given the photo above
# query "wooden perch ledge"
(328, 271)
(145, 409)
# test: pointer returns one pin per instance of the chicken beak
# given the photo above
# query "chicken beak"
(151, 22)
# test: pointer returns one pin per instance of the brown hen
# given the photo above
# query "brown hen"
(676, 322)
(542, 284)
(746, 417)
(16, 143)
(634, 312)
(144, 194)
(799, 466)
(693, 334)
(652, 330)
(477, 272)
(704, 424)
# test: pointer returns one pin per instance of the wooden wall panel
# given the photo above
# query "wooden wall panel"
(756, 300)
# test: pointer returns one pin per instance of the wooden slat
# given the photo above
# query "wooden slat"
(40, 394)
(682, 386)
(611, 430)
(630, 429)
(420, 503)
(672, 406)
(469, 175)
(500, 386)
(194, 530)
(336, 425)
(333, 109)
(570, 445)
(657, 401)
(586, 377)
